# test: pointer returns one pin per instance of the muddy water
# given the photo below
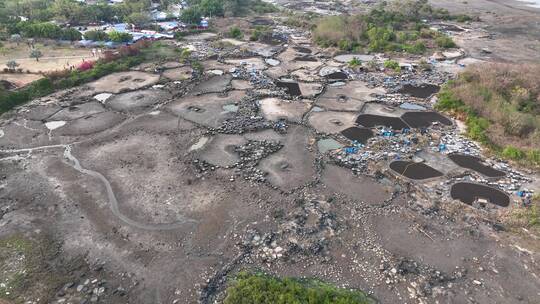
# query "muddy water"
(424, 119)
(475, 163)
(371, 120)
(412, 170)
(305, 58)
(114, 202)
(469, 192)
(337, 76)
(361, 135)
(422, 91)
(292, 88)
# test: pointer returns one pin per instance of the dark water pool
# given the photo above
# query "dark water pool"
(419, 91)
(475, 163)
(372, 120)
(337, 76)
(470, 192)
(412, 170)
(361, 135)
(292, 88)
(424, 119)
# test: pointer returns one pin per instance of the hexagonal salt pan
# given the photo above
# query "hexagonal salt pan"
(171, 65)
(137, 101)
(293, 165)
(124, 81)
(207, 109)
(290, 62)
(360, 188)
(331, 122)
(40, 112)
(215, 84)
(310, 90)
(219, 150)
(239, 84)
(383, 110)
(276, 109)
(350, 97)
(234, 42)
(262, 49)
(91, 124)
(179, 74)
(78, 111)
(216, 65)
(256, 63)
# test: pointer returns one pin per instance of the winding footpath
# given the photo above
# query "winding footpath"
(113, 201)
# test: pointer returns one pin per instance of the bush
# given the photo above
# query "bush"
(392, 65)
(260, 32)
(85, 66)
(236, 33)
(392, 27)
(120, 37)
(263, 289)
(355, 62)
(197, 67)
(513, 153)
(483, 96)
(445, 42)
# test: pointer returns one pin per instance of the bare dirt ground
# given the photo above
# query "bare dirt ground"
(162, 191)
(510, 29)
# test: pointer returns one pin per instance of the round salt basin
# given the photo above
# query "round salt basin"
(52, 125)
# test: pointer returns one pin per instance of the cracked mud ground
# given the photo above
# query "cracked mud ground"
(173, 184)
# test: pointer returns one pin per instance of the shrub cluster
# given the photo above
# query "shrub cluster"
(500, 104)
(394, 27)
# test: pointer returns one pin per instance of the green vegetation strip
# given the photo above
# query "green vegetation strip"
(258, 288)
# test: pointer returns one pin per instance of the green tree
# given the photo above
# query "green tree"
(36, 54)
(96, 36)
(100, 12)
(235, 32)
(137, 18)
(120, 37)
(211, 7)
(191, 15)
(68, 11)
(12, 65)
